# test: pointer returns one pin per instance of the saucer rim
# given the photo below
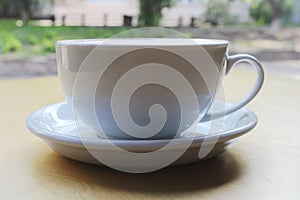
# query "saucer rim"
(105, 144)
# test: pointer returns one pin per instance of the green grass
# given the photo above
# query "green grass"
(36, 40)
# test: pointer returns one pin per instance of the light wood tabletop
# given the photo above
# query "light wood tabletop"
(262, 165)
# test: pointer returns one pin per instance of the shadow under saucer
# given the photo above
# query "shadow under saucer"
(192, 177)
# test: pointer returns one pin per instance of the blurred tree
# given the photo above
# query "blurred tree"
(23, 9)
(218, 11)
(271, 12)
(278, 8)
(151, 11)
(261, 12)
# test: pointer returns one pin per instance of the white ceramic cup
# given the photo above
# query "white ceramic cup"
(146, 88)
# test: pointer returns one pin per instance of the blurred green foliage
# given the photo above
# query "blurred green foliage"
(151, 11)
(217, 12)
(32, 39)
(262, 12)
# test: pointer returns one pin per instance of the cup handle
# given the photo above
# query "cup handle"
(231, 62)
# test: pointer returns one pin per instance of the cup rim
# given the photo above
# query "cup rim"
(151, 42)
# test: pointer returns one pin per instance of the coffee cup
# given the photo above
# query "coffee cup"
(146, 88)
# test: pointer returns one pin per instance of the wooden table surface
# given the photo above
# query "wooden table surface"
(265, 164)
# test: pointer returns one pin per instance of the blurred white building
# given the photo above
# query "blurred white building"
(184, 10)
(95, 12)
(111, 12)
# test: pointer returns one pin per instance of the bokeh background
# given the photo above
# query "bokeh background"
(267, 29)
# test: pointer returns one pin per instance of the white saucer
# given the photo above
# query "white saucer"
(56, 126)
